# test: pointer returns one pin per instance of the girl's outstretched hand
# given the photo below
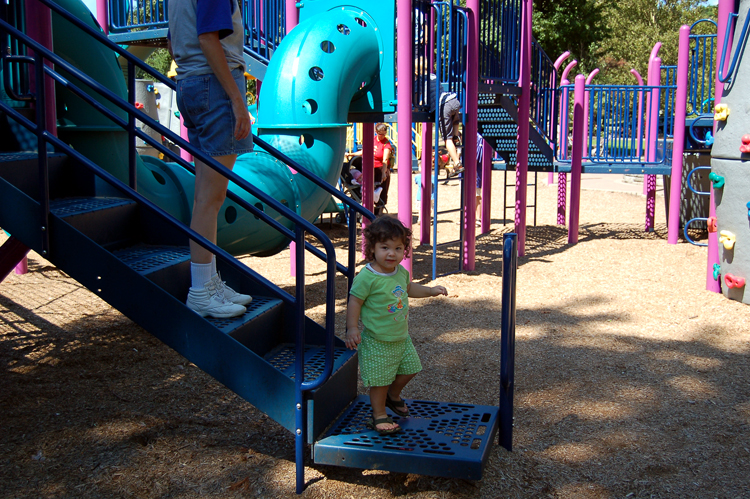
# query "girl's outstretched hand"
(352, 338)
(439, 290)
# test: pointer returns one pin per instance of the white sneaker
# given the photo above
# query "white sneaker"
(211, 303)
(230, 294)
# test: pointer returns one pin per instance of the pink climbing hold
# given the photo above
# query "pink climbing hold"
(711, 222)
(745, 147)
(734, 281)
(138, 105)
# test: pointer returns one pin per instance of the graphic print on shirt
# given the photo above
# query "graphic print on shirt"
(395, 307)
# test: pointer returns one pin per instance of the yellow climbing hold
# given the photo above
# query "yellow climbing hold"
(721, 111)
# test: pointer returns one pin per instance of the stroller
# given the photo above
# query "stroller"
(353, 189)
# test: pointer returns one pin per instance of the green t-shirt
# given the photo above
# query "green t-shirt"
(385, 311)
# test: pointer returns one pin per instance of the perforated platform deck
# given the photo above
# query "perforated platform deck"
(438, 438)
(282, 358)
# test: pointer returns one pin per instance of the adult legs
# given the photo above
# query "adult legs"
(210, 192)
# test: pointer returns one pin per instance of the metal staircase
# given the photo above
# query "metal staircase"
(135, 256)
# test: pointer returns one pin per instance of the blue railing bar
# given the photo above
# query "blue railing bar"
(42, 159)
(227, 173)
(7, 75)
(124, 188)
(108, 43)
(128, 108)
(508, 340)
(740, 43)
(690, 184)
(685, 231)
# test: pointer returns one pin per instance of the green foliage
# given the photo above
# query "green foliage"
(160, 60)
(615, 36)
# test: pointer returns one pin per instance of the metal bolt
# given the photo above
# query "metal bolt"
(44, 252)
(299, 432)
(44, 228)
(299, 406)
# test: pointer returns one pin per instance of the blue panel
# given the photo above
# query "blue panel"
(439, 439)
(629, 168)
(282, 358)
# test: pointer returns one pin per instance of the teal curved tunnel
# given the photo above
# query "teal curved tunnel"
(321, 66)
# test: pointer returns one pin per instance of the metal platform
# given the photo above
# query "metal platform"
(438, 439)
(629, 168)
(282, 358)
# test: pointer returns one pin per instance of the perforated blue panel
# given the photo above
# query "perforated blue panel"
(282, 358)
(147, 259)
(441, 439)
(76, 206)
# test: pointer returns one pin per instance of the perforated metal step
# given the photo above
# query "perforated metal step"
(147, 259)
(438, 438)
(282, 358)
(75, 206)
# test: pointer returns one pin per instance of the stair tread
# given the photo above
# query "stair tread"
(282, 358)
(440, 439)
(67, 207)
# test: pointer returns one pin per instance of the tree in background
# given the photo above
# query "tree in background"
(577, 26)
(615, 36)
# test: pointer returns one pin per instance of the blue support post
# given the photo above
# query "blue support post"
(508, 340)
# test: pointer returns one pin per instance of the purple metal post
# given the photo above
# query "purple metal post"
(487, 155)
(39, 27)
(558, 63)
(639, 136)
(562, 177)
(184, 135)
(425, 185)
(678, 146)
(726, 7)
(586, 100)
(470, 137)
(650, 82)
(405, 77)
(102, 15)
(654, 79)
(368, 173)
(524, 101)
(577, 158)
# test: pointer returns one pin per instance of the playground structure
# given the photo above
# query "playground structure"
(115, 220)
(125, 222)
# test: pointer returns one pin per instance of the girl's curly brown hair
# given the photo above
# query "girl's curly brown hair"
(382, 229)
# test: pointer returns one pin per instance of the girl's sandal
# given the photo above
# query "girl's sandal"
(397, 406)
(373, 425)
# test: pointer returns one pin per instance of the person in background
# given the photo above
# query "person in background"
(383, 158)
(206, 42)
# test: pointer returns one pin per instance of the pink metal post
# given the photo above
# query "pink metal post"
(639, 136)
(39, 27)
(558, 63)
(577, 159)
(292, 15)
(654, 79)
(524, 102)
(102, 15)
(405, 76)
(678, 146)
(726, 7)
(470, 138)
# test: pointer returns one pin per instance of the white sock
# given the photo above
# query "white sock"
(200, 274)
(213, 265)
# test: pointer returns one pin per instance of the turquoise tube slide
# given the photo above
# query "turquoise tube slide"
(319, 68)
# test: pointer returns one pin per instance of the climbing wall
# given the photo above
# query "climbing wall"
(730, 175)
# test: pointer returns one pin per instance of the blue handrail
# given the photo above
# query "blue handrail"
(301, 225)
(740, 42)
(700, 193)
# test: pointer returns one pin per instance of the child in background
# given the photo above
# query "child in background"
(380, 294)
